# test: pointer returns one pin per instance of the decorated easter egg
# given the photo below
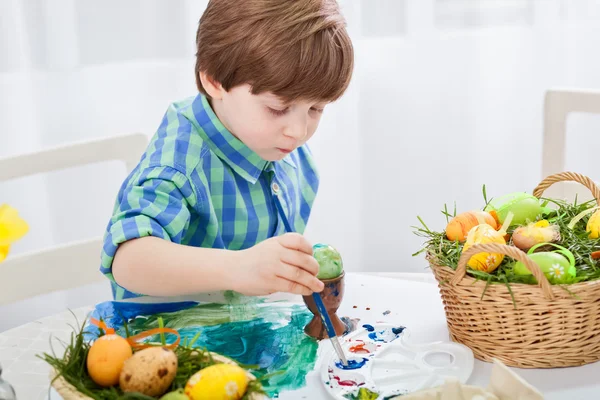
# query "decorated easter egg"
(593, 225)
(106, 358)
(525, 237)
(178, 394)
(150, 371)
(555, 266)
(330, 261)
(218, 382)
(525, 207)
(458, 228)
(483, 234)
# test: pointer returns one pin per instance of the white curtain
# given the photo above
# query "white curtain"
(447, 96)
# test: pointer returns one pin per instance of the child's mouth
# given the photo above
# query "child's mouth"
(285, 151)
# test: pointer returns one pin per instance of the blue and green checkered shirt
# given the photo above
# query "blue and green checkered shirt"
(199, 185)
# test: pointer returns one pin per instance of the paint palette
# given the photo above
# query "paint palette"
(381, 364)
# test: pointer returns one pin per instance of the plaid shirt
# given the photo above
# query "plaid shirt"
(199, 185)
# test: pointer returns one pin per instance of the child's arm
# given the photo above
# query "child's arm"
(157, 267)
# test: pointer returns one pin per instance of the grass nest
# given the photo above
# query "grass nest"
(441, 251)
(71, 366)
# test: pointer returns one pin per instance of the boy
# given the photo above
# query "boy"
(203, 211)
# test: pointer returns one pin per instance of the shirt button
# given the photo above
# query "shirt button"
(275, 188)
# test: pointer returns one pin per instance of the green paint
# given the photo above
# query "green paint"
(330, 261)
(362, 394)
(267, 337)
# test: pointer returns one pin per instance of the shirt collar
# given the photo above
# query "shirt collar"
(230, 149)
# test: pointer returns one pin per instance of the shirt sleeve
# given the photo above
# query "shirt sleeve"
(157, 203)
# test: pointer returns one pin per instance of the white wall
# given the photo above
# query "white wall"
(447, 96)
(455, 103)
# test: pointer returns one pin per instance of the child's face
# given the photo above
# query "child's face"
(267, 125)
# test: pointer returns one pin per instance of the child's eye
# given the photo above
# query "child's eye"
(278, 112)
(318, 110)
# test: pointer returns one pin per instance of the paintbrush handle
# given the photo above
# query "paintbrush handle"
(324, 316)
(316, 296)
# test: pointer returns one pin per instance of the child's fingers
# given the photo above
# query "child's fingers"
(300, 276)
(286, 286)
(302, 260)
(295, 241)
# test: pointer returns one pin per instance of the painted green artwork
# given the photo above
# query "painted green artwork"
(267, 338)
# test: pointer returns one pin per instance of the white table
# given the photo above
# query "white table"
(413, 300)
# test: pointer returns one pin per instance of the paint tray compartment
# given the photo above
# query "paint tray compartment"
(382, 364)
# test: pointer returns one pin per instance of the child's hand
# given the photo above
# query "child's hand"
(280, 264)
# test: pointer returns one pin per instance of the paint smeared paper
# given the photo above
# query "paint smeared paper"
(266, 337)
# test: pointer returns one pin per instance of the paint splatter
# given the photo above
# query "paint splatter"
(368, 327)
(347, 382)
(268, 336)
(359, 348)
(387, 312)
(362, 394)
(352, 364)
(334, 287)
(386, 335)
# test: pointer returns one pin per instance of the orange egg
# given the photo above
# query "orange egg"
(458, 228)
(106, 358)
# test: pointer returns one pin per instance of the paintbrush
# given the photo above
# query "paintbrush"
(317, 298)
(329, 327)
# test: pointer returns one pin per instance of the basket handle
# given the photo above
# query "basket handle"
(568, 176)
(510, 251)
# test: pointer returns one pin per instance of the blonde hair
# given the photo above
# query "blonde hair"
(295, 49)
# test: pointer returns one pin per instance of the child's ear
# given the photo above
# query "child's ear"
(212, 87)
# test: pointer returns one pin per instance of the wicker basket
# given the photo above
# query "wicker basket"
(544, 327)
(68, 392)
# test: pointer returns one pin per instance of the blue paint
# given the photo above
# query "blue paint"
(115, 313)
(352, 364)
(334, 289)
(398, 330)
(369, 328)
(386, 335)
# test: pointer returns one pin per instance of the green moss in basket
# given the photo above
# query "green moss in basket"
(571, 220)
(72, 367)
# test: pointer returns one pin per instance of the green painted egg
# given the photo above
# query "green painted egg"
(555, 266)
(176, 395)
(524, 206)
(330, 261)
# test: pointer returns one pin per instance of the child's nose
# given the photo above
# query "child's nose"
(296, 131)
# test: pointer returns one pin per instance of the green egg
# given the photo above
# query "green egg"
(524, 206)
(555, 266)
(176, 395)
(330, 261)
